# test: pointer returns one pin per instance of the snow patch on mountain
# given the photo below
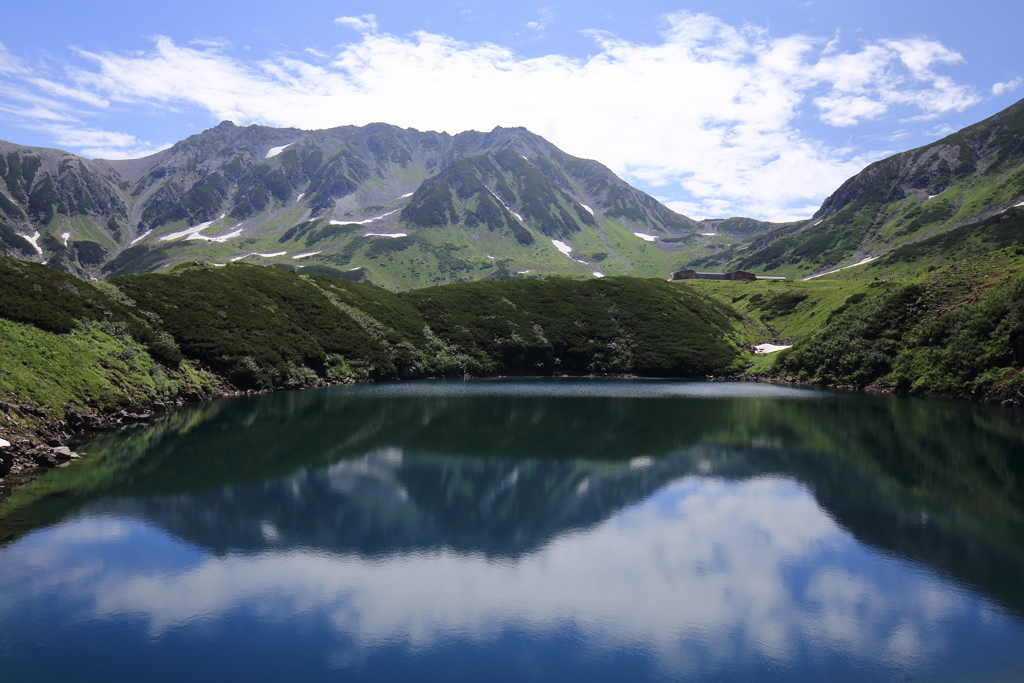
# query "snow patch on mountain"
(307, 255)
(562, 247)
(645, 237)
(762, 349)
(274, 151)
(365, 220)
(852, 265)
(139, 238)
(34, 241)
(589, 210)
(189, 231)
(65, 236)
(219, 238)
(518, 217)
(385, 234)
(256, 253)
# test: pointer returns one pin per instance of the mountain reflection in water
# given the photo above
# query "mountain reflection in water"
(608, 529)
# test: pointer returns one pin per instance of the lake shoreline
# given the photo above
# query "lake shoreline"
(37, 448)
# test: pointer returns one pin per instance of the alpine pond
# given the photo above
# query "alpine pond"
(527, 530)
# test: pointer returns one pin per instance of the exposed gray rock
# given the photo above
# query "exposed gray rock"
(62, 453)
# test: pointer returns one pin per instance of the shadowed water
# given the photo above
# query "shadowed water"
(528, 530)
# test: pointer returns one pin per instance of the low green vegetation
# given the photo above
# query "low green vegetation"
(958, 329)
(617, 325)
(68, 343)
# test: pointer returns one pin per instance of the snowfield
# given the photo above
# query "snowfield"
(365, 220)
(762, 349)
(562, 247)
(34, 241)
(854, 265)
(589, 210)
(190, 231)
(139, 238)
(645, 237)
(256, 253)
(385, 234)
(274, 151)
(220, 238)
(298, 256)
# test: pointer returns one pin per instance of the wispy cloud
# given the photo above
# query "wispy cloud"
(9, 64)
(545, 16)
(365, 23)
(711, 110)
(1007, 87)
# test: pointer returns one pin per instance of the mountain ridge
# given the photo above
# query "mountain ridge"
(239, 190)
(962, 179)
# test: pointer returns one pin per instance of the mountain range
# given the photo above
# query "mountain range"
(403, 208)
(397, 207)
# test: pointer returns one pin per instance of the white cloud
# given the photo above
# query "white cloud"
(364, 23)
(1007, 87)
(9, 64)
(941, 130)
(712, 109)
(547, 14)
(102, 144)
(211, 42)
(61, 90)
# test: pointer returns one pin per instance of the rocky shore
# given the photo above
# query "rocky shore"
(31, 440)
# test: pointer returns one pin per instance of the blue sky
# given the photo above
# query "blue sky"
(745, 108)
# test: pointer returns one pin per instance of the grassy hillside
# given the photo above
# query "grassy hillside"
(72, 344)
(906, 203)
(956, 329)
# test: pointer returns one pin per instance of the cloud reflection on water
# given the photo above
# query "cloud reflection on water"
(706, 574)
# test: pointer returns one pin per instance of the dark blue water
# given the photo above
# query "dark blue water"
(527, 531)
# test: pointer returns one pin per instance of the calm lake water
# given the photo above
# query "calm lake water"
(529, 530)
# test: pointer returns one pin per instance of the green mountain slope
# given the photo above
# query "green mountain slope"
(969, 177)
